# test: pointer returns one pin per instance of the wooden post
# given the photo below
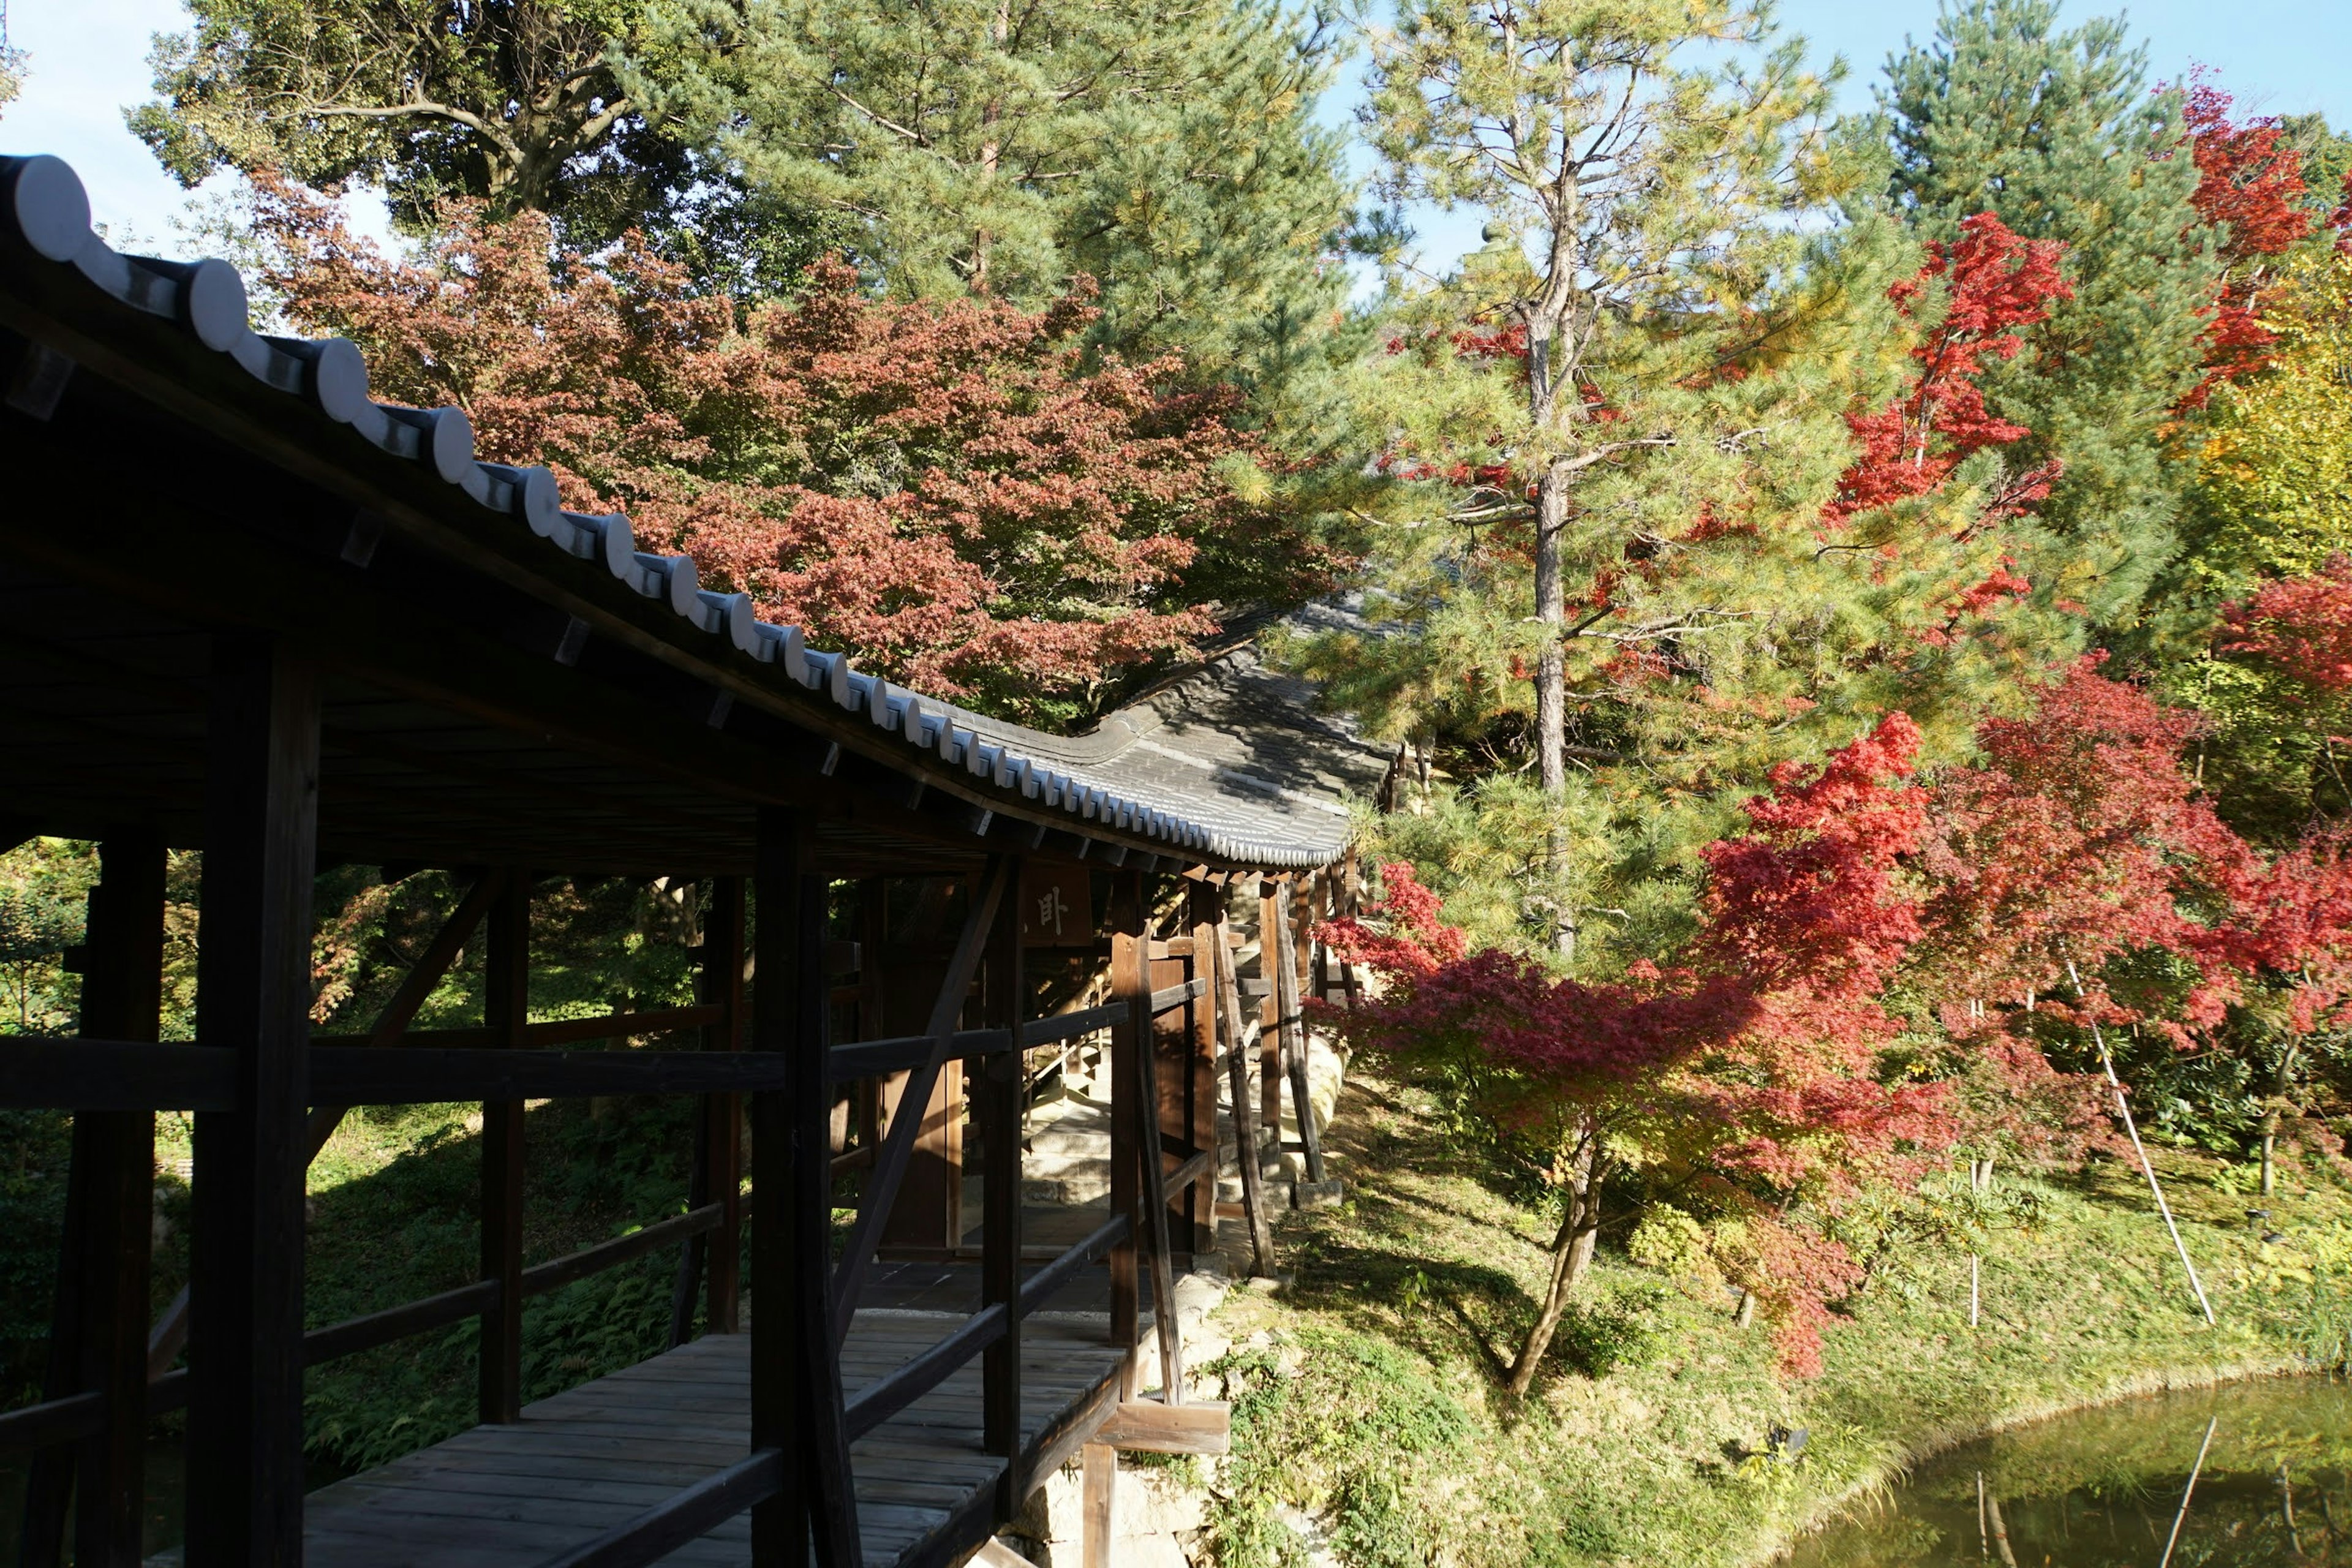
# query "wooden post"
(722, 942)
(253, 998)
(98, 1340)
(506, 1008)
(1270, 1067)
(1097, 1513)
(1229, 996)
(1149, 1162)
(1127, 1043)
(796, 1380)
(1293, 1039)
(1000, 1234)
(1197, 1204)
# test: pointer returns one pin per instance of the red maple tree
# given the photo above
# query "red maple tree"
(2301, 626)
(954, 493)
(1993, 285)
(2249, 192)
(1750, 1069)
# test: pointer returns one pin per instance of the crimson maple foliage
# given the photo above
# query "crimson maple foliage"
(2079, 838)
(2249, 192)
(1752, 1067)
(2302, 626)
(951, 492)
(1994, 285)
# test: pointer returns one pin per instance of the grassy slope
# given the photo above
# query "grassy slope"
(1366, 1391)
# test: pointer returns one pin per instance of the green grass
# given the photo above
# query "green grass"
(1367, 1395)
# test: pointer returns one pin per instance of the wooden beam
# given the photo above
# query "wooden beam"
(873, 1058)
(122, 998)
(253, 1000)
(52, 1421)
(1098, 1503)
(1294, 1037)
(1039, 1288)
(1007, 993)
(880, 1400)
(898, 1143)
(1153, 1200)
(1148, 1427)
(114, 1076)
(506, 1010)
(722, 947)
(1196, 1199)
(1131, 1037)
(796, 1404)
(1246, 1153)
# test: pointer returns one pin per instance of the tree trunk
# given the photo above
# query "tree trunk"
(1571, 1253)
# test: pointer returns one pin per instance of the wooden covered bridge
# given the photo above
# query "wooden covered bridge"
(245, 608)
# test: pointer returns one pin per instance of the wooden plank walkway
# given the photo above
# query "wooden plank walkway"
(505, 1497)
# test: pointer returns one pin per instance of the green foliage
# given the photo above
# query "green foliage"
(1170, 153)
(2056, 132)
(36, 1148)
(516, 102)
(1365, 1412)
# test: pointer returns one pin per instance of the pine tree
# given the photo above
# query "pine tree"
(978, 148)
(2056, 132)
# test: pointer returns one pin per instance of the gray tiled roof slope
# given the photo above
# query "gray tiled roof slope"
(1228, 762)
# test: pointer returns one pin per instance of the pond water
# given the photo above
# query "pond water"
(2111, 1486)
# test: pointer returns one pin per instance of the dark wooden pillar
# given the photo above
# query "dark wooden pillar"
(1289, 965)
(123, 999)
(722, 966)
(1171, 1068)
(1272, 1064)
(506, 1008)
(998, 1105)
(253, 998)
(1129, 983)
(98, 1340)
(795, 1378)
(1198, 1202)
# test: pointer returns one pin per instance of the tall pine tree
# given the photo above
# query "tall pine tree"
(984, 148)
(2057, 132)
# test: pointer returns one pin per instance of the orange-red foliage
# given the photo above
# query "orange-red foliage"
(951, 492)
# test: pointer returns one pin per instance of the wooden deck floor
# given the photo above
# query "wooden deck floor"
(505, 1497)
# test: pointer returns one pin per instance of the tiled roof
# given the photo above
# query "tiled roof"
(1228, 762)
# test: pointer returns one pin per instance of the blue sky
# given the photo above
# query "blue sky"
(87, 61)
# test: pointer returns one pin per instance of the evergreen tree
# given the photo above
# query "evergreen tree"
(977, 147)
(2057, 134)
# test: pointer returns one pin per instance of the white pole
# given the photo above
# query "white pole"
(2122, 1108)
(2178, 1519)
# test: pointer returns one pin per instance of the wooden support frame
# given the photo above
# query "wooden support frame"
(505, 1009)
(898, 1143)
(98, 1340)
(796, 1404)
(999, 1104)
(711, 1260)
(1130, 991)
(253, 998)
(1246, 1142)
(1141, 1061)
(1193, 1203)
(1292, 1022)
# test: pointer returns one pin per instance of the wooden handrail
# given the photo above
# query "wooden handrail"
(880, 1400)
(1040, 1287)
(1175, 996)
(370, 1329)
(1053, 1029)
(39, 1073)
(355, 1075)
(872, 1059)
(554, 1031)
(559, 1272)
(53, 1421)
(680, 1518)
